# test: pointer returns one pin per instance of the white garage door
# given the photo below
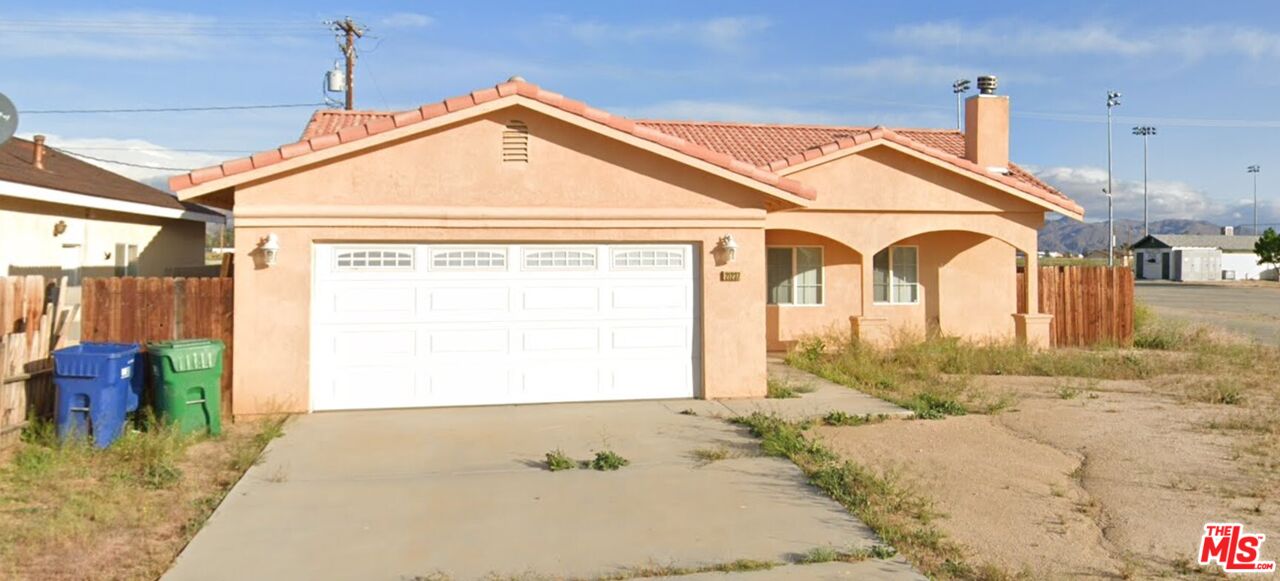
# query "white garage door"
(415, 325)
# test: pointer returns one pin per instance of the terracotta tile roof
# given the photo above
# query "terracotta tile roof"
(69, 174)
(380, 123)
(753, 149)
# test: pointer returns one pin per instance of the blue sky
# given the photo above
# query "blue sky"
(1205, 75)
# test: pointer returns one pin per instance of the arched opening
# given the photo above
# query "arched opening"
(814, 284)
(950, 282)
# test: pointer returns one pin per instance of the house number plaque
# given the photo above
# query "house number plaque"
(730, 276)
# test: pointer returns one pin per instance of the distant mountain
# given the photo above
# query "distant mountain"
(1070, 236)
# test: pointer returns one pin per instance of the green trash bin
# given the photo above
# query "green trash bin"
(187, 377)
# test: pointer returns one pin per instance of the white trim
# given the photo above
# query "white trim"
(822, 275)
(39, 194)
(891, 302)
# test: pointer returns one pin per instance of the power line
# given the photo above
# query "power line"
(125, 163)
(168, 109)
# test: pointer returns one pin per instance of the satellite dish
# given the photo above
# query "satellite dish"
(8, 118)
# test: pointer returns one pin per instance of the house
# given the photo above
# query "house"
(1199, 257)
(60, 216)
(513, 245)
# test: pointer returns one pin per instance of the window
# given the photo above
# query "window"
(374, 259)
(560, 258)
(896, 275)
(474, 258)
(795, 275)
(126, 260)
(515, 142)
(648, 258)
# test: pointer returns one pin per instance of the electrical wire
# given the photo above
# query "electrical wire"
(168, 109)
(125, 163)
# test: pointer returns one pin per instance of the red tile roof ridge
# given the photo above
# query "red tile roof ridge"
(312, 143)
(825, 126)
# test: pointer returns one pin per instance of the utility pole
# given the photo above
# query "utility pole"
(1113, 101)
(960, 87)
(1254, 169)
(1145, 131)
(352, 31)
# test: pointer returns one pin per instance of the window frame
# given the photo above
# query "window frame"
(795, 264)
(891, 301)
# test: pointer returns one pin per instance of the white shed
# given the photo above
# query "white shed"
(1195, 257)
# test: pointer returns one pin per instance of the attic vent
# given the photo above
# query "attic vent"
(515, 142)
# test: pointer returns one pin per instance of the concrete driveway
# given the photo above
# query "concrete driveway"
(462, 493)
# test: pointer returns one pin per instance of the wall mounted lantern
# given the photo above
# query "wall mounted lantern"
(270, 247)
(728, 248)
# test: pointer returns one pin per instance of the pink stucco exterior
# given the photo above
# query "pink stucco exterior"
(448, 182)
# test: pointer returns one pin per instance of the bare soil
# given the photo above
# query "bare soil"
(1101, 479)
(91, 527)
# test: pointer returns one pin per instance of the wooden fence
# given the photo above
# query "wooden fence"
(29, 330)
(137, 310)
(1089, 304)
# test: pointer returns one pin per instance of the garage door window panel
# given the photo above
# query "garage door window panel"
(374, 259)
(469, 259)
(560, 259)
(648, 259)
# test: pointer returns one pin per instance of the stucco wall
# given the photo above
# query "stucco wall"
(842, 293)
(577, 187)
(28, 244)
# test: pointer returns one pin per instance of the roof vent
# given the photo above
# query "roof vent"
(987, 85)
(515, 142)
(516, 79)
(37, 152)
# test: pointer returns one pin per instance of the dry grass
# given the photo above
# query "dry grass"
(69, 511)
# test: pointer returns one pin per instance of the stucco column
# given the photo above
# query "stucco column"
(1032, 327)
(862, 326)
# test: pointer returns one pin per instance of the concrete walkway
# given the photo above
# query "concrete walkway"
(463, 493)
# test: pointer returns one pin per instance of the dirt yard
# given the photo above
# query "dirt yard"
(1082, 478)
(71, 512)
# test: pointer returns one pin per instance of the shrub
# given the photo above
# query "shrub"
(557, 460)
(608, 460)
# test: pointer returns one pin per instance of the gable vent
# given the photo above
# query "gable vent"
(515, 142)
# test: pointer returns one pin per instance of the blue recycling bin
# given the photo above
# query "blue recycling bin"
(98, 384)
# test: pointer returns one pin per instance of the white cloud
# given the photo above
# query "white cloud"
(1016, 37)
(725, 33)
(900, 70)
(406, 20)
(1166, 199)
(138, 152)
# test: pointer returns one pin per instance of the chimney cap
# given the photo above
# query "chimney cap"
(37, 151)
(516, 79)
(987, 84)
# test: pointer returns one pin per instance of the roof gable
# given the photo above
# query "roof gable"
(381, 128)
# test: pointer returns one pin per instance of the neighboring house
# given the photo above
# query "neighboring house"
(1195, 257)
(513, 245)
(60, 216)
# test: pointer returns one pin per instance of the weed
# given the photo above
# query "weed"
(688, 412)
(709, 455)
(818, 555)
(839, 418)
(557, 460)
(1067, 390)
(930, 406)
(606, 460)
(1220, 390)
(779, 389)
(896, 513)
(883, 551)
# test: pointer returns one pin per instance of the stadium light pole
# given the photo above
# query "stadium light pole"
(1254, 169)
(960, 87)
(1113, 101)
(1144, 131)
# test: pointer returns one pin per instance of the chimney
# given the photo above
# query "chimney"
(1228, 230)
(986, 127)
(37, 153)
